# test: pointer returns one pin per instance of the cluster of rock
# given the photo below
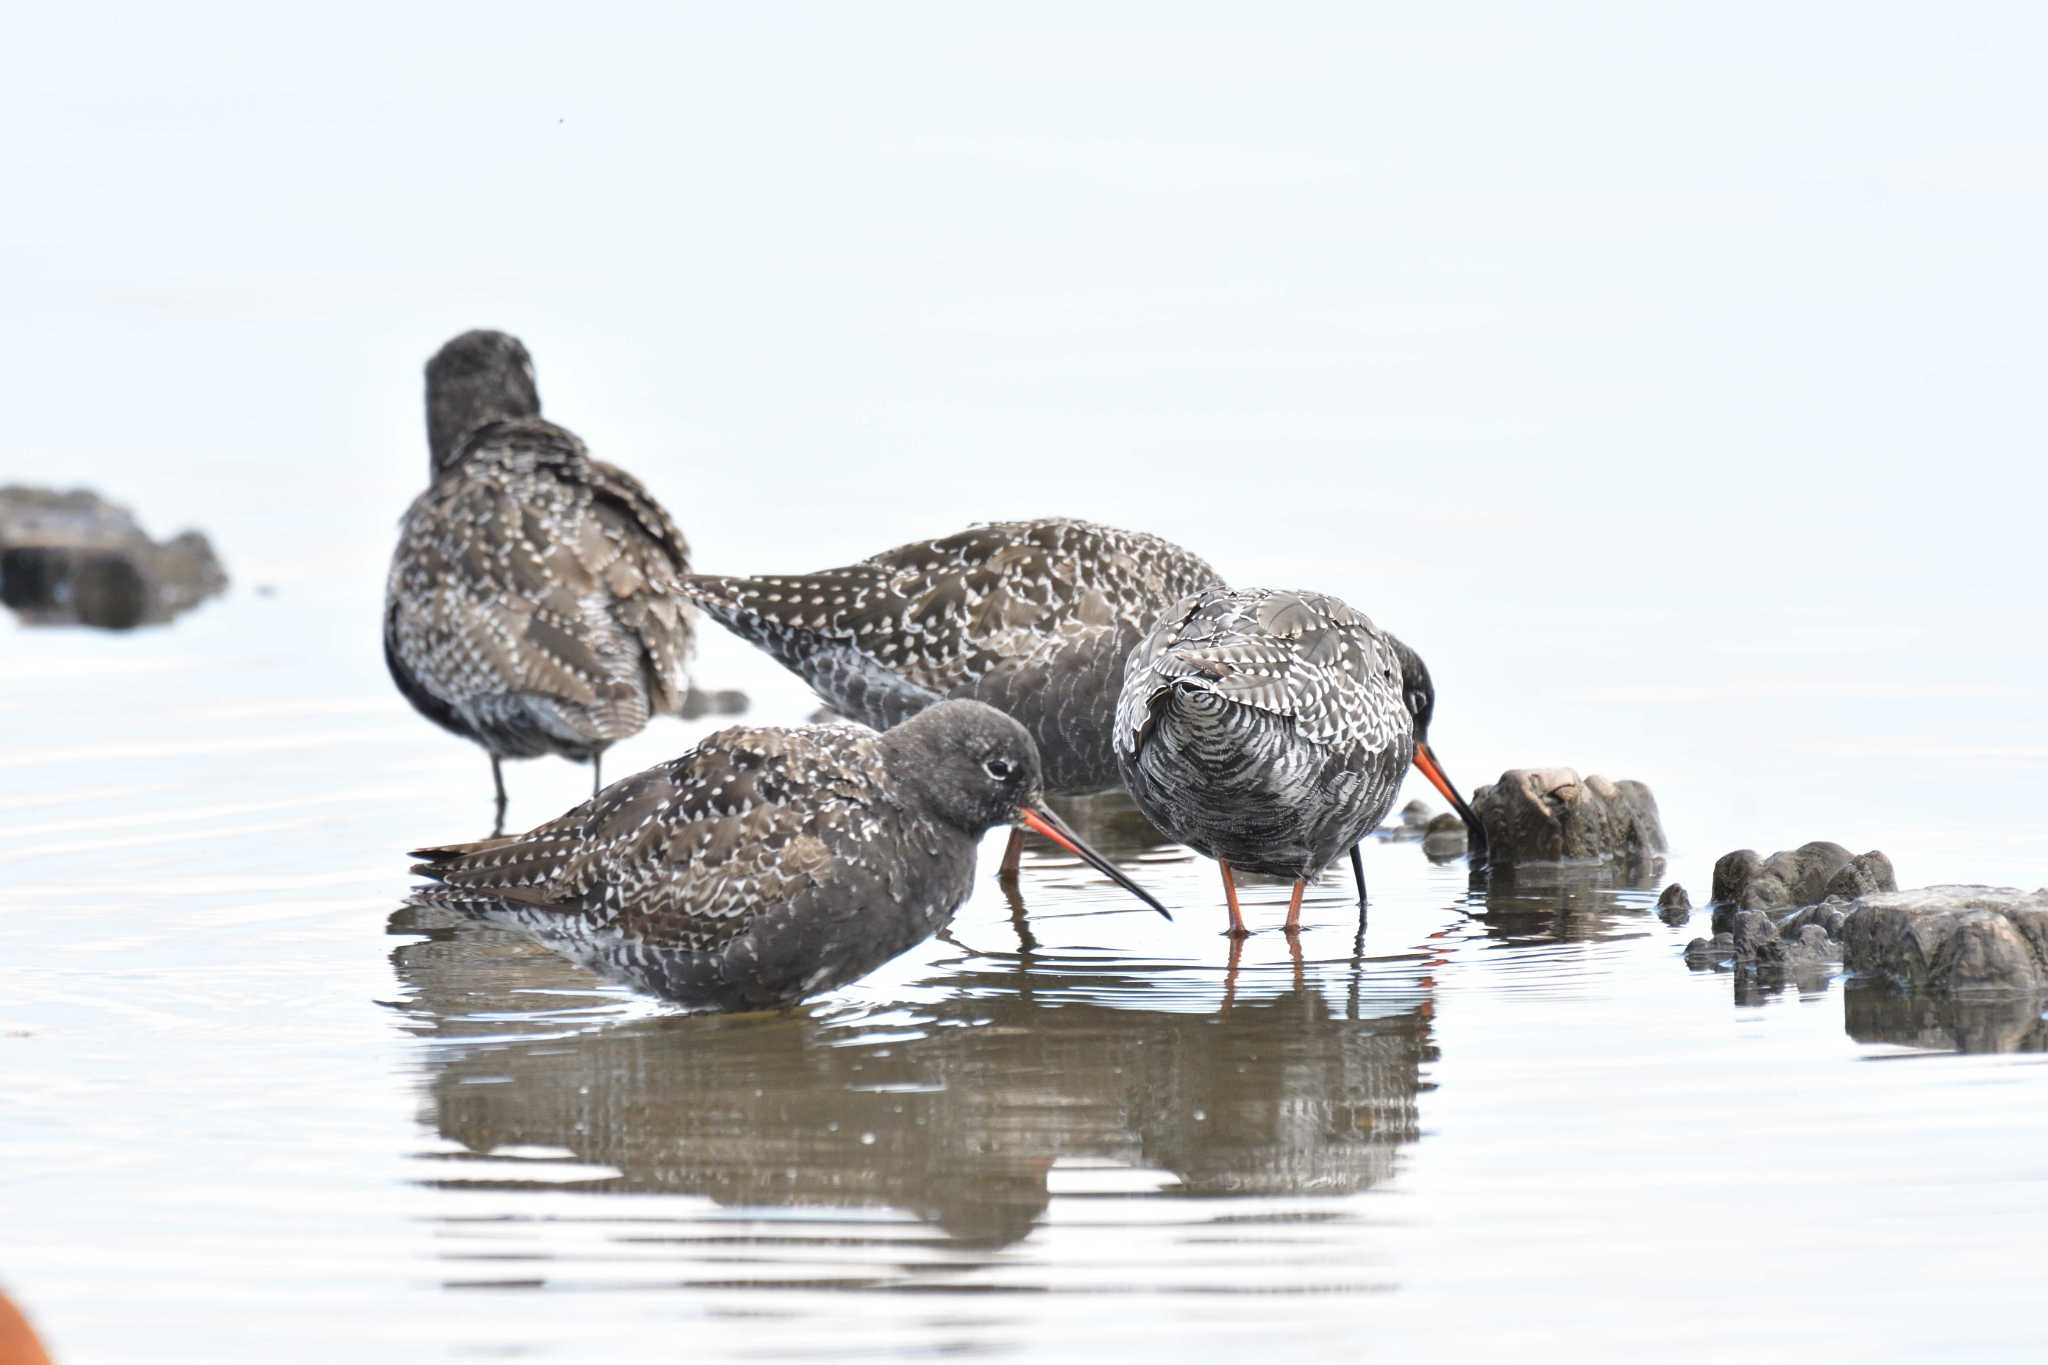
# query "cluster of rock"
(1819, 904)
(76, 559)
(1552, 815)
(1806, 875)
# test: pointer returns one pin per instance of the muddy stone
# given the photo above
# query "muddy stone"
(1674, 906)
(1961, 941)
(75, 558)
(1445, 839)
(1806, 875)
(1803, 942)
(1554, 815)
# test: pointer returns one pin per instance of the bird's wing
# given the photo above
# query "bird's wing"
(1303, 656)
(686, 853)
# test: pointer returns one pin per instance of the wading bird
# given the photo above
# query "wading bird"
(1270, 731)
(532, 605)
(767, 865)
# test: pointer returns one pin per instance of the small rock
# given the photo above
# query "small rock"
(1554, 815)
(1445, 839)
(1862, 875)
(1733, 872)
(1750, 931)
(1674, 906)
(1704, 954)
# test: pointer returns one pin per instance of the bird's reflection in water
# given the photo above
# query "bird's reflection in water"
(954, 1110)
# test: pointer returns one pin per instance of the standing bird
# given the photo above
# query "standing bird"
(1033, 617)
(532, 600)
(1270, 731)
(766, 865)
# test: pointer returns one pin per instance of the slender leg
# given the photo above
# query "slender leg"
(1358, 871)
(1300, 970)
(1013, 854)
(1230, 974)
(498, 780)
(1293, 925)
(597, 772)
(1237, 929)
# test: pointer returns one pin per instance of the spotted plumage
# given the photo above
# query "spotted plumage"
(765, 865)
(1270, 730)
(1033, 617)
(532, 603)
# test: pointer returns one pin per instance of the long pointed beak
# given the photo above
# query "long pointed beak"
(1475, 832)
(1052, 827)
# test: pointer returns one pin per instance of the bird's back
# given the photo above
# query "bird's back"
(1032, 617)
(1264, 727)
(532, 603)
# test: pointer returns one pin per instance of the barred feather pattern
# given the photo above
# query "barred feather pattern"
(1032, 617)
(533, 604)
(1264, 728)
(760, 867)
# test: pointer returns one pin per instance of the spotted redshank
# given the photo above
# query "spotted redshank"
(1270, 731)
(532, 605)
(767, 865)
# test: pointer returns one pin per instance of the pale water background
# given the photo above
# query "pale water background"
(1673, 382)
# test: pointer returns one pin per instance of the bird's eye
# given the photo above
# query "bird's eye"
(998, 768)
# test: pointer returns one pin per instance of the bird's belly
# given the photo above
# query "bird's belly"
(1244, 786)
(872, 906)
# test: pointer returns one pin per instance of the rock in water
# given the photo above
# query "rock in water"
(1962, 941)
(1806, 875)
(1535, 815)
(1674, 906)
(1445, 838)
(75, 558)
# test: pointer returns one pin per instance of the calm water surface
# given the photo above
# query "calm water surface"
(256, 1107)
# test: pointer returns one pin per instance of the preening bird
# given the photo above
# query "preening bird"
(1270, 731)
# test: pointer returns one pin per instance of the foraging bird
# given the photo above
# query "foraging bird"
(532, 600)
(1270, 731)
(1033, 617)
(767, 865)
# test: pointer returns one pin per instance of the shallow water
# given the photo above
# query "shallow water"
(1669, 379)
(254, 1104)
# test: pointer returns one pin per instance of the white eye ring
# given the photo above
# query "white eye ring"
(998, 768)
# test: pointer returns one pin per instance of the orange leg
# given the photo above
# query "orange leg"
(1012, 856)
(1294, 909)
(1237, 929)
